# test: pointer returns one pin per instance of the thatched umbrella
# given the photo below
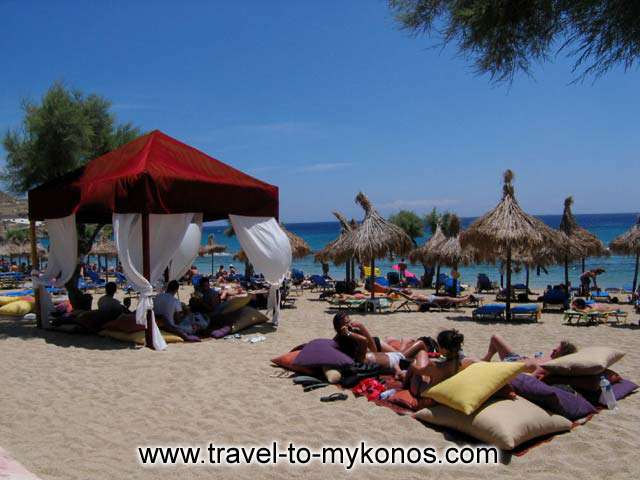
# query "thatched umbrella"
(629, 244)
(424, 253)
(507, 229)
(374, 238)
(106, 248)
(586, 243)
(211, 248)
(299, 248)
(329, 250)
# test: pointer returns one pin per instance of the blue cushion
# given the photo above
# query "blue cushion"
(524, 308)
(491, 308)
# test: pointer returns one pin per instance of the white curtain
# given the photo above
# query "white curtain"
(61, 263)
(188, 249)
(269, 251)
(166, 233)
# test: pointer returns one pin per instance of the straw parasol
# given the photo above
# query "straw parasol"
(329, 250)
(629, 244)
(586, 243)
(374, 238)
(106, 248)
(424, 253)
(211, 248)
(507, 229)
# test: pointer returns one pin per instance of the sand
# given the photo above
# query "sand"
(77, 406)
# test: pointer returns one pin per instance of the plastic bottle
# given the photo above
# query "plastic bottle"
(606, 393)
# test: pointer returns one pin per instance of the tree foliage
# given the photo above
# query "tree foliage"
(504, 37)
(410, 222)
(433, 219)
(61, 133)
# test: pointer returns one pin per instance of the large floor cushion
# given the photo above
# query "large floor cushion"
(587, 361)
(125, 322)
(18, 308)
(569, 404)
(138, 337)
(467, 390)
(503, 423)
(322, 352)
(244, 318)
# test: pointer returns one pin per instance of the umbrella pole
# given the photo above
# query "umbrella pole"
(583, 261)
(372, 278)
(635, 275)
(527, 276)
(508, 308)
(146, 271)
(437, 278)
(34, 263)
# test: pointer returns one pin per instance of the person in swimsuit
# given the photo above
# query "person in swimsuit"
(425, 372)
(580, 305)
(499, 345)
(355, 340)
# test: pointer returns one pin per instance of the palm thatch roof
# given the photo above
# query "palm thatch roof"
(327, 253)
(375, 237)
(22, 249)
(211, 247)
(588, 245)
(508, 228)
(449, 251)
(424, 253)
(104, 247)
(629, 242)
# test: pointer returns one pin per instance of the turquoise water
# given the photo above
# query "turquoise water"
(619, 270)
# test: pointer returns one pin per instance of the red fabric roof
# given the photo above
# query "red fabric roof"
(153, 174)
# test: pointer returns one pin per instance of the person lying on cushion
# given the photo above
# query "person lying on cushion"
(109, 305)
(169, 308)
(580, 305)
(354, 340)
(437, 300)
(426, 372)
(499, 345)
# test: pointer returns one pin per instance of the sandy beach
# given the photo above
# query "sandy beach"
(77, 406)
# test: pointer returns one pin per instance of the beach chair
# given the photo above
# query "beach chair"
(320, 283)
(557, 298)
(496, 311)
(95, 280)
(413, 282)
(393, 278)
(484, 284)
(600, 296)
(574, 317)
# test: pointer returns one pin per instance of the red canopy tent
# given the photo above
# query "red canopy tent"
(153, 174)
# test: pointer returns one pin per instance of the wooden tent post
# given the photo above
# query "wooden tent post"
(146, 271)
(372, 278)
(508, 304)
(34, 266)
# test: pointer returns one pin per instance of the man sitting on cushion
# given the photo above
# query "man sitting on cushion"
(499, 345)
(354, 340)
(109, 305)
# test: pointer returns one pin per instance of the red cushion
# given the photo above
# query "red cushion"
(286, 361)
(406, 400)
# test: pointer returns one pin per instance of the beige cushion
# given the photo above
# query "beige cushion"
(587, 361)
(503, 423)
(333, 376)
(244, 318)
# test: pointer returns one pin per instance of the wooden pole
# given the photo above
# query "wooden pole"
(635, 275)
(527, 277)
(146, 271)
(34, 265)
(372, 278)
(583, 266)
(437, 278)
(508, 309)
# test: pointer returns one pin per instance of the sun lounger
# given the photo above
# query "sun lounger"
(484, 284)
(600, 296)
(496, 311)
(576, 317)
(557, 299)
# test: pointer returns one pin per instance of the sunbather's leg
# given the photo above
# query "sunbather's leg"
(498, 345)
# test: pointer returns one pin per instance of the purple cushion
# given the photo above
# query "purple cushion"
(322, 352)
(620, 390)
(554, 399)
(221, 332)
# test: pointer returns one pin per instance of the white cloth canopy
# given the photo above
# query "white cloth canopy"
(188, 249)
(166, 233)
(62, 261)
(269, 251)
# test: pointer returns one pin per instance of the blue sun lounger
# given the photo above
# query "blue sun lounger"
(496, 311)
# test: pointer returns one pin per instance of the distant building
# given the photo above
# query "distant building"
(11, 207)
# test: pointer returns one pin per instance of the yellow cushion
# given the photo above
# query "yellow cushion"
(5, 299)
(18, 308)
(467, 390)
(138, 337)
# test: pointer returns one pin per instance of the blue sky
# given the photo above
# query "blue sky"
(326, 98)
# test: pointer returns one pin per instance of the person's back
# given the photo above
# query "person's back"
(108, 304)
(166, 304)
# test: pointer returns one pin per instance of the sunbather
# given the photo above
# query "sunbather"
(439, 301)
(425, 372)
(580, 305)
(499, 345)
(354, 340)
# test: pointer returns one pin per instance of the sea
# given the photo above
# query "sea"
(618, 270)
